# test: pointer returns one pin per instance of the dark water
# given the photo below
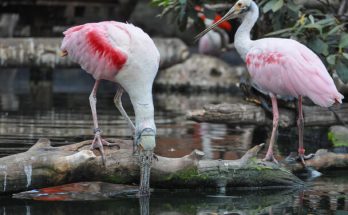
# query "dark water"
(56, 106)
(326, 195)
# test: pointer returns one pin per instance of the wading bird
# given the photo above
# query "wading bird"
(214, 41)
(282, 67)
(124, 54)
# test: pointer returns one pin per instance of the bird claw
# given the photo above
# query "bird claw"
(270, 158)
(99, 143)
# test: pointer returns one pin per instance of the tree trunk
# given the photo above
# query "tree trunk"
(43, 166)
(23, 52)
(251, 114)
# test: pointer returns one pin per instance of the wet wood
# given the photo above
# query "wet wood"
(24, 52)
(322, 160)
(44, 166)
(252, 114)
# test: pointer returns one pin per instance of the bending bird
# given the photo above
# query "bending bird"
(281, 67)
(125, 54)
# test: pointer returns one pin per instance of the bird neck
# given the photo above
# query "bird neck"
(144, 112)
(242, 39)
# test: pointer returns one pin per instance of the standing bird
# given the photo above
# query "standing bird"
(282, 67)
(124, 54)
(215, 41)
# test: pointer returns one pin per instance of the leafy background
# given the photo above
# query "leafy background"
(322, 28)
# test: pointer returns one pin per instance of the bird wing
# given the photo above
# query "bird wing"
(286, 67)
(100, 48)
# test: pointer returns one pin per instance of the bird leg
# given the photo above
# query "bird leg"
(118, 104)
(98, 142)
(301, 149)
(269, 156)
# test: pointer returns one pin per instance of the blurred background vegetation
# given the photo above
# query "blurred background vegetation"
(319, 24)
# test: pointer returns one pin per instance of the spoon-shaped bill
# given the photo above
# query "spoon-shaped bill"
(229, 15)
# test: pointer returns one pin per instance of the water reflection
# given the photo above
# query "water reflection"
(327, 195)
(8, 98)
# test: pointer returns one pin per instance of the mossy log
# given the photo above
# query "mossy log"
(252, 114)
(43, 166)
(24, 52)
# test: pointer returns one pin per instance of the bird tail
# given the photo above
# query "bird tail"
(325, 100)
(338, 98)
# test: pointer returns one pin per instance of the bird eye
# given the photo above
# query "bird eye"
(239, 4)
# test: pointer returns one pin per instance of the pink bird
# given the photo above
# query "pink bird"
(124, 54)
(282, 67)
(215, 41)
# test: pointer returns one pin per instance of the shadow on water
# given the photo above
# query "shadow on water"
(59, 110)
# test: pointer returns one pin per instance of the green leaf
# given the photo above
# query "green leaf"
(311, 18)
(319, 46)
(262, 2)
(343, 41)
(316, 26)
(342, 71)
(294, 7)
(336, 29)
(345, 55)
(327, 21)
(279, 4)
(331, 59)
(269, 6)
(285, 30)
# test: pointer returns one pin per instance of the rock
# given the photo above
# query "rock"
(200, 72)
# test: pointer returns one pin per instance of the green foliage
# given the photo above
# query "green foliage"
(338, 139)
(322, 29)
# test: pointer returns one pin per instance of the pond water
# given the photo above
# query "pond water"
(56, 106)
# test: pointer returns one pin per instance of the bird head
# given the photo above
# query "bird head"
(238, 10)
(146, 142)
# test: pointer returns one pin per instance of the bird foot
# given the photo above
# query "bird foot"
(270, 158)
(302, 158)
(99, 143)
(294, 157)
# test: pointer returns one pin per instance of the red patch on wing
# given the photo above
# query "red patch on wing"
(224, 25)
(263, 59)
(248, 60)
(100, 46)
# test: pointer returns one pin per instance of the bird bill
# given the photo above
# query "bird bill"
(231, 14)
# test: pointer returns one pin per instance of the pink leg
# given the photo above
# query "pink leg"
(98, 142)
(269, 156)
(300, 120)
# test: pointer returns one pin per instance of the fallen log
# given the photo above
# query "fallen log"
(252, 114)
(43, 166)
(24, 52)
(322, 160)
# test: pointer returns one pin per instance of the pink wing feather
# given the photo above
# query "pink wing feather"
(286, 67)
(100, 48)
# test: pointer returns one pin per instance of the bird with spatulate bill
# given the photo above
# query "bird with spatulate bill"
(282, 67)
(124, 54)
